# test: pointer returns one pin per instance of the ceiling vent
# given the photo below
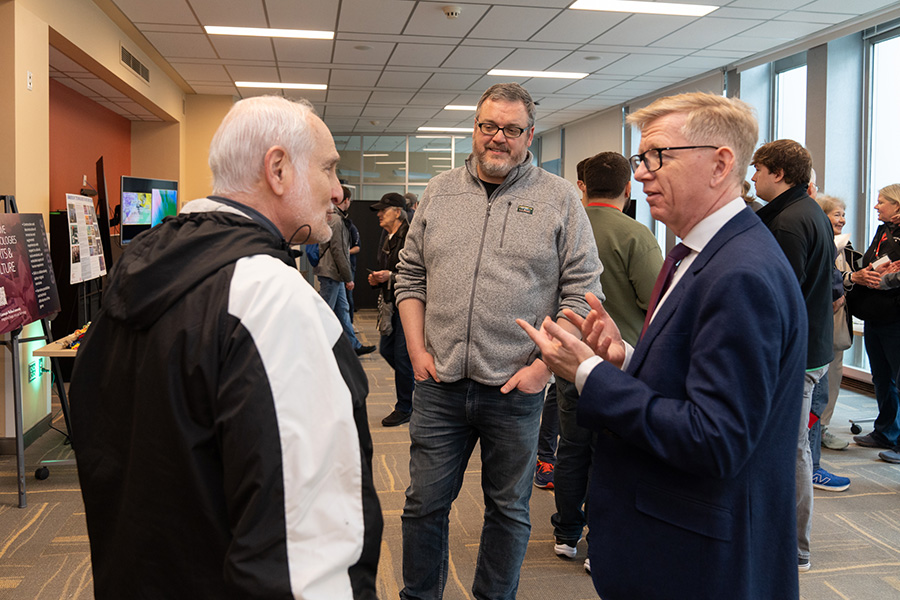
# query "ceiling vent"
(130, 61)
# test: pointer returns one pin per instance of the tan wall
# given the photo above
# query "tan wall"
(203, 114)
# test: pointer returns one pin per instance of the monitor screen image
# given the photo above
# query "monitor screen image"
(145, 203)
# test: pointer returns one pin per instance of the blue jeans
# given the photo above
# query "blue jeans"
(447, 421)
(547, 440)
(573, 467)
(335, 295)
(393, 349)
(819, 402)
(883, 349)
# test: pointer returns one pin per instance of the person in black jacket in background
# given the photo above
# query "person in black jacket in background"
(221, 427)
(392, 218)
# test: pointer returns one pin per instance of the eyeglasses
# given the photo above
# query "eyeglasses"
(653, 158)
(510, 131)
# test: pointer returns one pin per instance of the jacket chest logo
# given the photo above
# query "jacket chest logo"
(525, 209)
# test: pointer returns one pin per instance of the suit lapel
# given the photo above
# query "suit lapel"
(740, 222)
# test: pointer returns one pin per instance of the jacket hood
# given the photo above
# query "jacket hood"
(164, 263)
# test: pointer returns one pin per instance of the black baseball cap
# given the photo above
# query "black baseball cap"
(389, 199)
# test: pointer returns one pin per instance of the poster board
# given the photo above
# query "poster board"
(85, 246)
(27, 286)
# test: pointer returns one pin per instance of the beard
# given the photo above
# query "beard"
(497, 166)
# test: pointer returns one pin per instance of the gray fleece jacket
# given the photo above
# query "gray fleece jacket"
(479, 263)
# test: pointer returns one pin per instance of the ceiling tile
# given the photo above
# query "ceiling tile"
(317, 97)
(229, 14)
(586, 62)
(640, 30)
(420, 55)
(590, 86)
(390, 98)
(438, 100)
(303, 50)
(476, 57)
(342, 111)
(636, 64)
(418, 113)
(532, 60)
(402, 79)
(782, 30)
(76, 85)
(242, 47)
(428, 20)
(248, 73)
(512, 23)
(181, 45)
(374, 16)
(302, 14)
(218, 90)
(812, 17)
(354, 78)
(193, 72)
(450, 81)
(706, 31)
(63, 63)
(382, 112)
(296, 75)
(356, 53)
(546, 86)
(346, 96)
(103, 88)
(158, 11)
(846, 7)
(579, 26)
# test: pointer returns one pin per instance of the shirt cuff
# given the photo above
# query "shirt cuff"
(584, 370)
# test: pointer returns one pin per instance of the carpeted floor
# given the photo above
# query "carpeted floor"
(44, 552)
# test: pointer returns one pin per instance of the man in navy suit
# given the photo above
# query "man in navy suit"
(692, 489)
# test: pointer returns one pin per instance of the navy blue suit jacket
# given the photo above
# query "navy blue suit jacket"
(692, 489)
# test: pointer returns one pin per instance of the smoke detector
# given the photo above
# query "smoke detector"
(451, 11)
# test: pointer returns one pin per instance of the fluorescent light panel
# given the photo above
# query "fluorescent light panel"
(439, 158)
(266, 32)
(550, 74)
(281, 86)
(436, 150)
(651, 8)
(376, 154)
(448, 129)
(399, 162)
(460, 107)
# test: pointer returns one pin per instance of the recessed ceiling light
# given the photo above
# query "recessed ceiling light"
(266, 32)
(652, 8)
(592, 57)
(436, 150)
(460, 107)
(447, 129)
(551, 74)
(281, 86)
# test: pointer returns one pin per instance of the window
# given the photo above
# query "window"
(885, 122)
(790, 105)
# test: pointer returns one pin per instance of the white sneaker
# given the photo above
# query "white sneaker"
(565, 550)
(587, 565)
(833, 442)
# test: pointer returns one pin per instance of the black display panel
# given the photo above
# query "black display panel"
(145, 203)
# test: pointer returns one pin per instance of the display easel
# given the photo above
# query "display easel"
(9, 206)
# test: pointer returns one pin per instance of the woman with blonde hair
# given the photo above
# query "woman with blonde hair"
(880, 310)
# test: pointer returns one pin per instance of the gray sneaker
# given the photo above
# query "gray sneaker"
(870, 440)
(891, 456)
(833, 442)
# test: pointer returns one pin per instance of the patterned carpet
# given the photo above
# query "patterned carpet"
(44, 552)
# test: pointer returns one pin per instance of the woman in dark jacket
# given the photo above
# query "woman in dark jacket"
(880, 310)
(391, 210)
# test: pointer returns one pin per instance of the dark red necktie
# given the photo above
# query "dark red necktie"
(664, 279)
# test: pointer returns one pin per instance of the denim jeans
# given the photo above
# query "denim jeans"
(817, 407)
(573, 467)
(335, 295)
(883, 349)
(447, 421)
(803, 470)
(549, 435)
(393, 349)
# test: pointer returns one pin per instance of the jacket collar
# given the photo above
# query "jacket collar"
(787, 198)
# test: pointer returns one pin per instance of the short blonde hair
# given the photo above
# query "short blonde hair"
(711, 119)
(891, 193)
(829, 203)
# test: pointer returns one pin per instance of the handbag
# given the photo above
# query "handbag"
(843, 337)
(385, 315)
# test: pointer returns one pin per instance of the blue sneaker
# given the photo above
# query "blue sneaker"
(823, 480)
(543, 475)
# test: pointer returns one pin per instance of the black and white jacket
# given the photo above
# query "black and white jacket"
(219, 422)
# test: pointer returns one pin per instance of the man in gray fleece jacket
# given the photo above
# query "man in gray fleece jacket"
(492, 241)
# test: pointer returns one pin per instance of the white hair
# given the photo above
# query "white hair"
(248, 131)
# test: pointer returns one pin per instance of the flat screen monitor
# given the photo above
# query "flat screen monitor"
(145, 203)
